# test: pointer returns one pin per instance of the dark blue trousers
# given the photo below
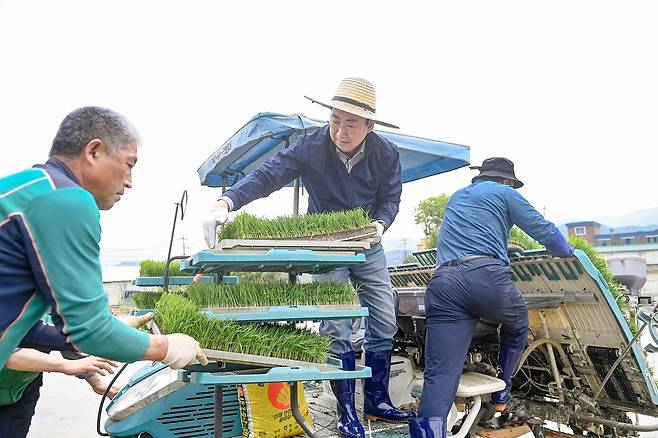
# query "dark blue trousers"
(15, 419)
(456, 298)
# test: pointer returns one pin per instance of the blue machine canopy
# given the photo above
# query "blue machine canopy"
(267, 133)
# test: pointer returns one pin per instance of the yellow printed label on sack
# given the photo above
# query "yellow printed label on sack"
(265, 410)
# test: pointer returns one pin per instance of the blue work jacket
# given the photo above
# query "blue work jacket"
(478, 219)
(373, 184)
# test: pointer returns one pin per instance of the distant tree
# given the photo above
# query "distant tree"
(429, 214)
(409, 259)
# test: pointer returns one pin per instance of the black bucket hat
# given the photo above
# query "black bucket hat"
(498, 167)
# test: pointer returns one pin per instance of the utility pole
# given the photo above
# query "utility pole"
(184, 246)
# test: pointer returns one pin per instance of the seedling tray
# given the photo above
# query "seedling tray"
(249, 368)
(173, 281)
(358, 234)
(275, 260)
(287, 313)
(262, 246)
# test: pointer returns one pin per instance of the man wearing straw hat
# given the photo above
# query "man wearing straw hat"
(343, 165)
(473, 281)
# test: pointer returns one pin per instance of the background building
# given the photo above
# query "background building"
(620, 242)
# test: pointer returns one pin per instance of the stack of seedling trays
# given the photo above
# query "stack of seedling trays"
(151, 274)
(299, 244)
(151, 278)
(258, 319)
(250, 328)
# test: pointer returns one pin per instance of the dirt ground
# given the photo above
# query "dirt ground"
(68, 407)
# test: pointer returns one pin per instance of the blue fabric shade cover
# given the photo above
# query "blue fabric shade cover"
(267, 133)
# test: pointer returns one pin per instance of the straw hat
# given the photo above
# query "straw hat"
(355, 96)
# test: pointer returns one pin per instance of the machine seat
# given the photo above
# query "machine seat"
(472, 384)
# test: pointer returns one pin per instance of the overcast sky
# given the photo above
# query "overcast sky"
(566, 89)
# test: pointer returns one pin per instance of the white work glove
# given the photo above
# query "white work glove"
(136, 321)
(380, 231)
(216, 216)
(182, 351)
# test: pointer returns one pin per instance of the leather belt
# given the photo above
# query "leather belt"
(464, 259)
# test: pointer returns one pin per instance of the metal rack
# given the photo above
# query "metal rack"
(293, 261)
(227, 369)
(174, 281)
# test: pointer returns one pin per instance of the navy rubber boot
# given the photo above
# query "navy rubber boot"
(428, 427)
(508, 362)
(377, 404)
(348, 423)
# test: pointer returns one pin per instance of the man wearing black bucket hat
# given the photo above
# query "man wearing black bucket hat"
(473, 281)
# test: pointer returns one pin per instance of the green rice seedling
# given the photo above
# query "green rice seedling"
(176, 314)
(146, 300)
(599, 263)
(271, 294)
(152, 268)
(261, 277)
(518, 236)
(246, 226)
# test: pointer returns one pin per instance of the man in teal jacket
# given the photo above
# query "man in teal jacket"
(49, 244)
